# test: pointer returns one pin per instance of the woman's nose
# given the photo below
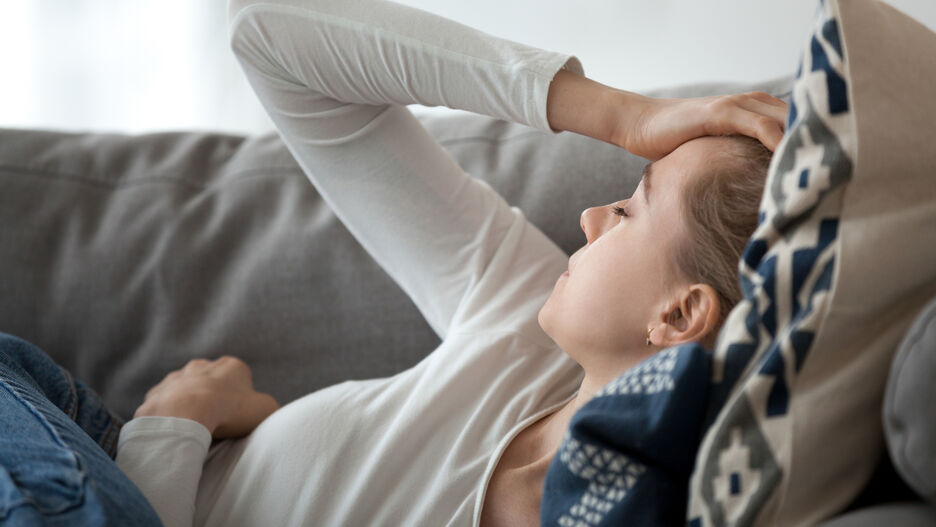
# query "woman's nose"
(596, 220)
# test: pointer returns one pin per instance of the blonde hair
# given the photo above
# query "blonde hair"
(721, 213)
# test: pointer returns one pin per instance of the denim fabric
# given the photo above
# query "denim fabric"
(57, 448)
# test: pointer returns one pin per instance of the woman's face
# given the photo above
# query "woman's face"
(623, 281)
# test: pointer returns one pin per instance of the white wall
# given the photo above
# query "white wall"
(135, 66)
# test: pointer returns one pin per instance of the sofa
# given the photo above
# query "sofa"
(125, 256)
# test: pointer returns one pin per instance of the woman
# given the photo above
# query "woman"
(528, 334)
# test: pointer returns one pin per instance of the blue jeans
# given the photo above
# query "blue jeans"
(57, 448)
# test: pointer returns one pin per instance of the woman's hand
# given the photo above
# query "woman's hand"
(652, 128)
(218, 394)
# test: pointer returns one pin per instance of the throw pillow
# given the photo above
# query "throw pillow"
(840, 264)
(909, 414)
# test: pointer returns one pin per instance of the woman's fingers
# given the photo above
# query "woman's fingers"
(236, 368)
(772, 137)
(775, 109)
(196, 364)
(250, 410)
(767, 130)
(224, 366)
(767, 98)
(736, 120)
(761, 104)
(755, 114)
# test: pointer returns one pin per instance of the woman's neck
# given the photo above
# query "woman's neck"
(547, 434)
(538, 444)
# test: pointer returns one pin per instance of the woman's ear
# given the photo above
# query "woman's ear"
(693, 317)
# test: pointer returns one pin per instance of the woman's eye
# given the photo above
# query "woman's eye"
(620, 212)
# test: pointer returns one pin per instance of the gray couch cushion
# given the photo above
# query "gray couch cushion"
(125, 256)
(909, 409)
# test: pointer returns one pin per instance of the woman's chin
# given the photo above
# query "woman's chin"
(547, 319)
(541, 317)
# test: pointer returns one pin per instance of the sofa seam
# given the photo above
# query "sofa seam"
(149, 179)
(237, 176)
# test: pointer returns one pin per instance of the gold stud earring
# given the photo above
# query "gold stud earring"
(648, 335)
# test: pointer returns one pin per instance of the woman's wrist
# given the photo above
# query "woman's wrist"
(578, 104)
(187, 407)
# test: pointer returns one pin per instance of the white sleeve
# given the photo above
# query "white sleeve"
(334, 76)
(163, 457)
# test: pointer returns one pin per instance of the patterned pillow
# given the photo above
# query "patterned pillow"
(833, 276)
(628, 453)
(909, 415)
(842, 260)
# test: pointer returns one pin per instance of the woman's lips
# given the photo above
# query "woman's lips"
(565, 274)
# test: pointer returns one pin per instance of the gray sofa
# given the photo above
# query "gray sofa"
(125, 256)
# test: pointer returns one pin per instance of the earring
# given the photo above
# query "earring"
(648, 336)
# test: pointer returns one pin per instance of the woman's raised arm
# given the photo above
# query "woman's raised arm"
(334, 75)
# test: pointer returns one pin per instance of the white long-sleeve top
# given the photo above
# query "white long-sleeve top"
(417, 448)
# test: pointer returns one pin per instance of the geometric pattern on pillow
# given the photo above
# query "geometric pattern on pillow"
(787, 272)
(610, 476)
(628, 452)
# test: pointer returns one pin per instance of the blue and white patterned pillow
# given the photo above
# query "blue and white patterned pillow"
(832, 278)
(842, 259)
(787, 273)
(628, 453)
(798, 268)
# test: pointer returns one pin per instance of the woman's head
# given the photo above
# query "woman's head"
(721, 212)
(663, 262)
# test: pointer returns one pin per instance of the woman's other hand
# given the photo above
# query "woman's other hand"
(652, 127)
(216, 393)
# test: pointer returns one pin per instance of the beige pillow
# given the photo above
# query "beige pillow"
(834, 275)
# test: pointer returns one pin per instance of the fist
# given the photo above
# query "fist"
(216, 393)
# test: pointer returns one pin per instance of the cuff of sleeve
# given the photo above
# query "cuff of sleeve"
(157, 425)
(545, 75)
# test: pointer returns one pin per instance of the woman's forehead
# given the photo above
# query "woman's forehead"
(691, 159)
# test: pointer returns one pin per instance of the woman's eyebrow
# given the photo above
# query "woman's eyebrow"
(647, 172)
